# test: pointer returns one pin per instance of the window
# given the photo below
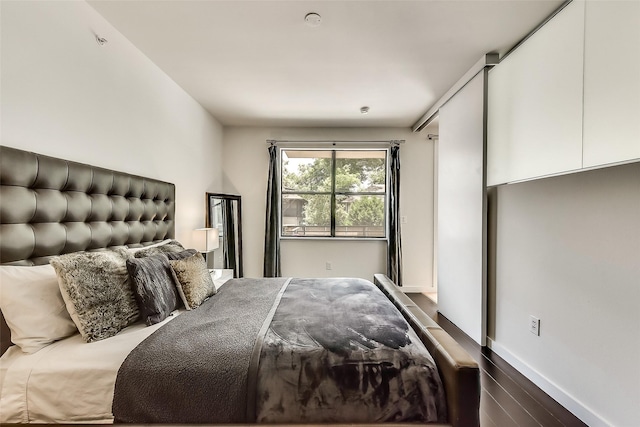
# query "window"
(333, 193)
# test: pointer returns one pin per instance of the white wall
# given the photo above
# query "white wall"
(246, 169)
(568, 252)
(307, 258)
(65, 96)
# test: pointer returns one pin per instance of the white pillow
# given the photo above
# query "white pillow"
(33, 307)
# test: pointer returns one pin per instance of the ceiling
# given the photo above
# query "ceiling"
(257, 63)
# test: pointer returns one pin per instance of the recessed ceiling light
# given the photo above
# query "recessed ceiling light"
(364, 110)
(313, 19)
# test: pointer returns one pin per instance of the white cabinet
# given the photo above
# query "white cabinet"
(611, 82)
(535, 103)
(568, 98)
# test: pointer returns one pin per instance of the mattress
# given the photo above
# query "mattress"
(30, 383)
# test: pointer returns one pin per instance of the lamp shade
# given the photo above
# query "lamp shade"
(206, 239)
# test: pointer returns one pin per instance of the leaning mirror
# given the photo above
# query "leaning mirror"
(224, 213)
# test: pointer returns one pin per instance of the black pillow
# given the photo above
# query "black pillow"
(154, 286)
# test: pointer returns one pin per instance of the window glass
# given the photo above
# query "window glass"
(358, 171)
(333, 193)
(363, 216)
(306, 170)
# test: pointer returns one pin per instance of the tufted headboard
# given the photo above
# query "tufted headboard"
(50, 206)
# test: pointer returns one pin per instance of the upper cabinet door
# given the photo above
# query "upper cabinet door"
(612, 82)
(535, 103)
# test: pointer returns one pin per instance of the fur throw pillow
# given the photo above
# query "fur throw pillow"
(97, 291)
(194, 280)
(180, 255)
(171, 246)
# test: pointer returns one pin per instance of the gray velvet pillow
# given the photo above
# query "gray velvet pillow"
(171, 246)
(194, 280)
(96, 289)
(154, 284)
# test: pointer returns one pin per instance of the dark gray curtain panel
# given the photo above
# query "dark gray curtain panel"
(272, 235)
(394, 246)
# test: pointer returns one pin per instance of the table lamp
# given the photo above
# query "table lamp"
(206, 241)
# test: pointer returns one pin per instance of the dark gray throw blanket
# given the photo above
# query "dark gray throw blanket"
(194, 369)
(272, 350)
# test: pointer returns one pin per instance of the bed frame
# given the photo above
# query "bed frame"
(50, 206)
(459, 372)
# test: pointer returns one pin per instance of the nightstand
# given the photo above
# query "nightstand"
(220, 276)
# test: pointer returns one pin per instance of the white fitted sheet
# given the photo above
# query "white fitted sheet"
(69, 381)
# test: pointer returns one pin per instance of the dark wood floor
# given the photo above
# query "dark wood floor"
(508, 398)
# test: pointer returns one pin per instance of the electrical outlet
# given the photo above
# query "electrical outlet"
(534, 325)
(328, 265)
(403, 219)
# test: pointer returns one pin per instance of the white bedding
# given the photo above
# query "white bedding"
(69, 381)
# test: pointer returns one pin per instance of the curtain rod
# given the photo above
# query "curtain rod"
(334, 142)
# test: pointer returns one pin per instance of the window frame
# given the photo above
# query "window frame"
(333, 194)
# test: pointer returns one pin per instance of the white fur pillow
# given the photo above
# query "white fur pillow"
(33, 307)
(97, 291)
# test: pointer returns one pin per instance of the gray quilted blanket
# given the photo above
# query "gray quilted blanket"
(283, 351)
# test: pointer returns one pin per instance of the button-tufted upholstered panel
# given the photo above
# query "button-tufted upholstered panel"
(50, 206)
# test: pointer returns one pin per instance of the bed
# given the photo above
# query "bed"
(281, 350)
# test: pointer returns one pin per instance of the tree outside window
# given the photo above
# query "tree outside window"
(333, 193)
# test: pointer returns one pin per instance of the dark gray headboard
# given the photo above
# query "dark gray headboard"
(51, 206)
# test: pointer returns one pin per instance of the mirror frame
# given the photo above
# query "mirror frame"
(209, 196)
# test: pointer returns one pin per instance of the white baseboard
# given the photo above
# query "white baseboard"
(573, 405)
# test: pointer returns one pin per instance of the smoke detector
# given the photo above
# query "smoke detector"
(312, 19)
